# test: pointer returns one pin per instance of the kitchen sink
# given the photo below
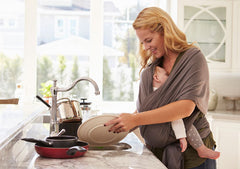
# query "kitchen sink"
(118, 146)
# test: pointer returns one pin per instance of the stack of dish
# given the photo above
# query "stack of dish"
(95, 133)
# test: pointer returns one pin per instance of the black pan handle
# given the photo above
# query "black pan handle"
(72, 150)
(42, 142)
(39, 98)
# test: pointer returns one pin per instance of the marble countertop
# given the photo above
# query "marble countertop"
(138, 157)
(224, 114)
(20, 154)
(14, 117)
(27, 121)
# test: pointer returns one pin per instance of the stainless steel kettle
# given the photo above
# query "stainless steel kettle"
(68, 110)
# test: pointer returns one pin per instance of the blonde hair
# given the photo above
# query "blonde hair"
(157, 20)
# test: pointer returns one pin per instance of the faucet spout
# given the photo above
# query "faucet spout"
(97, 92)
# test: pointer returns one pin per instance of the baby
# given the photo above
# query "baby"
(193, 137)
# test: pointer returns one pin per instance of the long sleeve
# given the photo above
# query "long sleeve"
(178, 128)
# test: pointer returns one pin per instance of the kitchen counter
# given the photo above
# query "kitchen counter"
(224, 114)
(14, 117)
(16, 153)
(138, 157)
(28, 121)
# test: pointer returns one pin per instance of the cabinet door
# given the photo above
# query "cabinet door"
(227, 136)
(209, 24)
(236, 36)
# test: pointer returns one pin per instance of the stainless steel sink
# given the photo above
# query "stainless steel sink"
(118, 146)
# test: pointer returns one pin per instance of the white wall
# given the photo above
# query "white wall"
(225, 84)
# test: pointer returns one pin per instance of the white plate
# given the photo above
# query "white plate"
(94, 132)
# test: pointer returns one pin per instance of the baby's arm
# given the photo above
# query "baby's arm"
(179, 131)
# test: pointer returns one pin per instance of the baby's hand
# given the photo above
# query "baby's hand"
(183, 144)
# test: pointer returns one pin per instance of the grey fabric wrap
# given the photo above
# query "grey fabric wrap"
(173, 152)
(189, 80)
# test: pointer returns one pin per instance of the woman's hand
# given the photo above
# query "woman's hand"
(124, 123)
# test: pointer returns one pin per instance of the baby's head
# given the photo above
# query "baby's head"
(159, 76)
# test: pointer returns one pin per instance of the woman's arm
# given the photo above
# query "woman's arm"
(170, 112)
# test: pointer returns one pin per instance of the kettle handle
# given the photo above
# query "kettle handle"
(64, 98)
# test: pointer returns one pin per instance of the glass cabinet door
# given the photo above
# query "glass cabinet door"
(208, 25)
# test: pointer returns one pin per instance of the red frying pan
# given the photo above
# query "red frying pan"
(65, 152)
(59, 146)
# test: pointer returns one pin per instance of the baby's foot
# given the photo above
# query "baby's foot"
(205, 152)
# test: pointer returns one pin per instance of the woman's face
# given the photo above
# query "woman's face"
(152, 41)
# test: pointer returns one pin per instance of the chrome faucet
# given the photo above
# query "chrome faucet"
(54, 126)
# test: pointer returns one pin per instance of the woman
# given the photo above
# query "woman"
(184, 94)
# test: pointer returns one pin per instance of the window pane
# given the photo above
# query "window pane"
(63, 44)
(11, 46)
(120, 70)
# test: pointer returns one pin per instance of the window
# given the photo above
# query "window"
(62, 54)
(71, 46)
(11, 46)
(73, 26)
(59, 31)
(120, 69)
(66, 39)
(65, 26)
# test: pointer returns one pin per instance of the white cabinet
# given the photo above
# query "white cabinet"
(226, 131)
(236, 35)
(212, 24)
(227, 135)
